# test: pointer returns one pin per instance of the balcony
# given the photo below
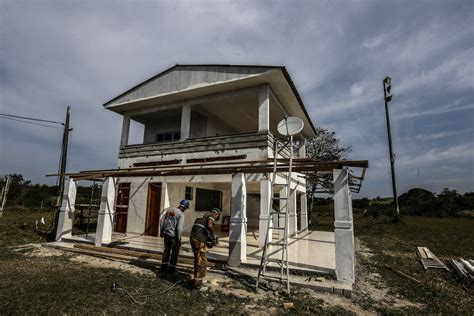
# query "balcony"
(244, 146)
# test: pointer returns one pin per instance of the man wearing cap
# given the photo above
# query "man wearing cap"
(201, 232)
(171, 229)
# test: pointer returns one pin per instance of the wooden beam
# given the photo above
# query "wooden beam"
(183, 170)
(131, 253)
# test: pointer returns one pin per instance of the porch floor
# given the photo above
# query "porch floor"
(309, 251)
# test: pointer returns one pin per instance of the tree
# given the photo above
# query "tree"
(325, 146)
(17, 189)
(450, 202)
(417, 201)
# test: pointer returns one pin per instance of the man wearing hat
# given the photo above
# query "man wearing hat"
(171, 229)
(201, 233)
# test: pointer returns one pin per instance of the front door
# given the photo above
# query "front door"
(152, 221)
(121, 207)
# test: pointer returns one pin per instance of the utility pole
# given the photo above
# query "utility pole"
(62, 168)
(63, 161)
(387, 87)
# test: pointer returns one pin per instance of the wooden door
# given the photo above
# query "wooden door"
(121, 207)
(153, 209)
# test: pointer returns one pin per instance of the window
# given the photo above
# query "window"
(189, 194)
(168, 137)
(207, 199)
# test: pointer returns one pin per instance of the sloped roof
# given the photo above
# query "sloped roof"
(187, 81)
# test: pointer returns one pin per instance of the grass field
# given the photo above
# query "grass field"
(394, 245)
(59, 284)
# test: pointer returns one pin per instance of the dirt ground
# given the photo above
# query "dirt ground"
(370, 286)
(39, 280)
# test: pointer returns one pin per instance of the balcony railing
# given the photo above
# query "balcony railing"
(203, 144)
(214, 144)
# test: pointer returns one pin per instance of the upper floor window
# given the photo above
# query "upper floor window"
(168, 137)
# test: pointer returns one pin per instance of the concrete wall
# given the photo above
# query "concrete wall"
(161, 125)
(253, 210)
(252, 154)
(198, 125)
(202, 125)
(176, 192)
(217, 127)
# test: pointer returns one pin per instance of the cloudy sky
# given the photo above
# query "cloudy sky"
(83, 53)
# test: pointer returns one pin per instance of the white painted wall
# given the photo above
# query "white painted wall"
(176, 192)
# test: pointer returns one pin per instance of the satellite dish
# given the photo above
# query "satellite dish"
(290, 126)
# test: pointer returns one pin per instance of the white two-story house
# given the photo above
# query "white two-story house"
(197, 114)
(201, 116)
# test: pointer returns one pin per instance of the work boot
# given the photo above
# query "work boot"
(164, 269)
(175, 274)
(197, 283)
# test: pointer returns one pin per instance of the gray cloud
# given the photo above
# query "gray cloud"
(83, 53)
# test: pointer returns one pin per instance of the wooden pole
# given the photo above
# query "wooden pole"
(4, 195)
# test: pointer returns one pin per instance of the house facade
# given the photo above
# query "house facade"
(207, 132)
(201, 114)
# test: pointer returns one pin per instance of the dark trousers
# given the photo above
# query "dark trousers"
(170, 255)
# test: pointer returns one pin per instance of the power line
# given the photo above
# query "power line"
(31, 118)
(44, 125)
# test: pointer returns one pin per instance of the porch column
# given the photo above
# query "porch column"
(238, 221)
(264, 109)
(343, 227)
(166, 195)
(302, 149)
(265, 203)
(105, 217)
(304, 211)
(293, 223)
(66, 212)
(283, 205)
(185, 121)
(125, 130)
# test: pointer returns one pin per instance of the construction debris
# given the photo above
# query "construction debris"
(463, 269)
(429, 260)
(406, 276)
(289, 306)
(4, 194)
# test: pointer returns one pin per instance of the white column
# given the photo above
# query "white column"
(343, 227)
(304, 211)
(185, 121)
(125, 130)
(302, 150)
(264, 109)
(166, 195)
(238, 221)
(66, 212)
(105, 217)
(265, 203)
(293, 223)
